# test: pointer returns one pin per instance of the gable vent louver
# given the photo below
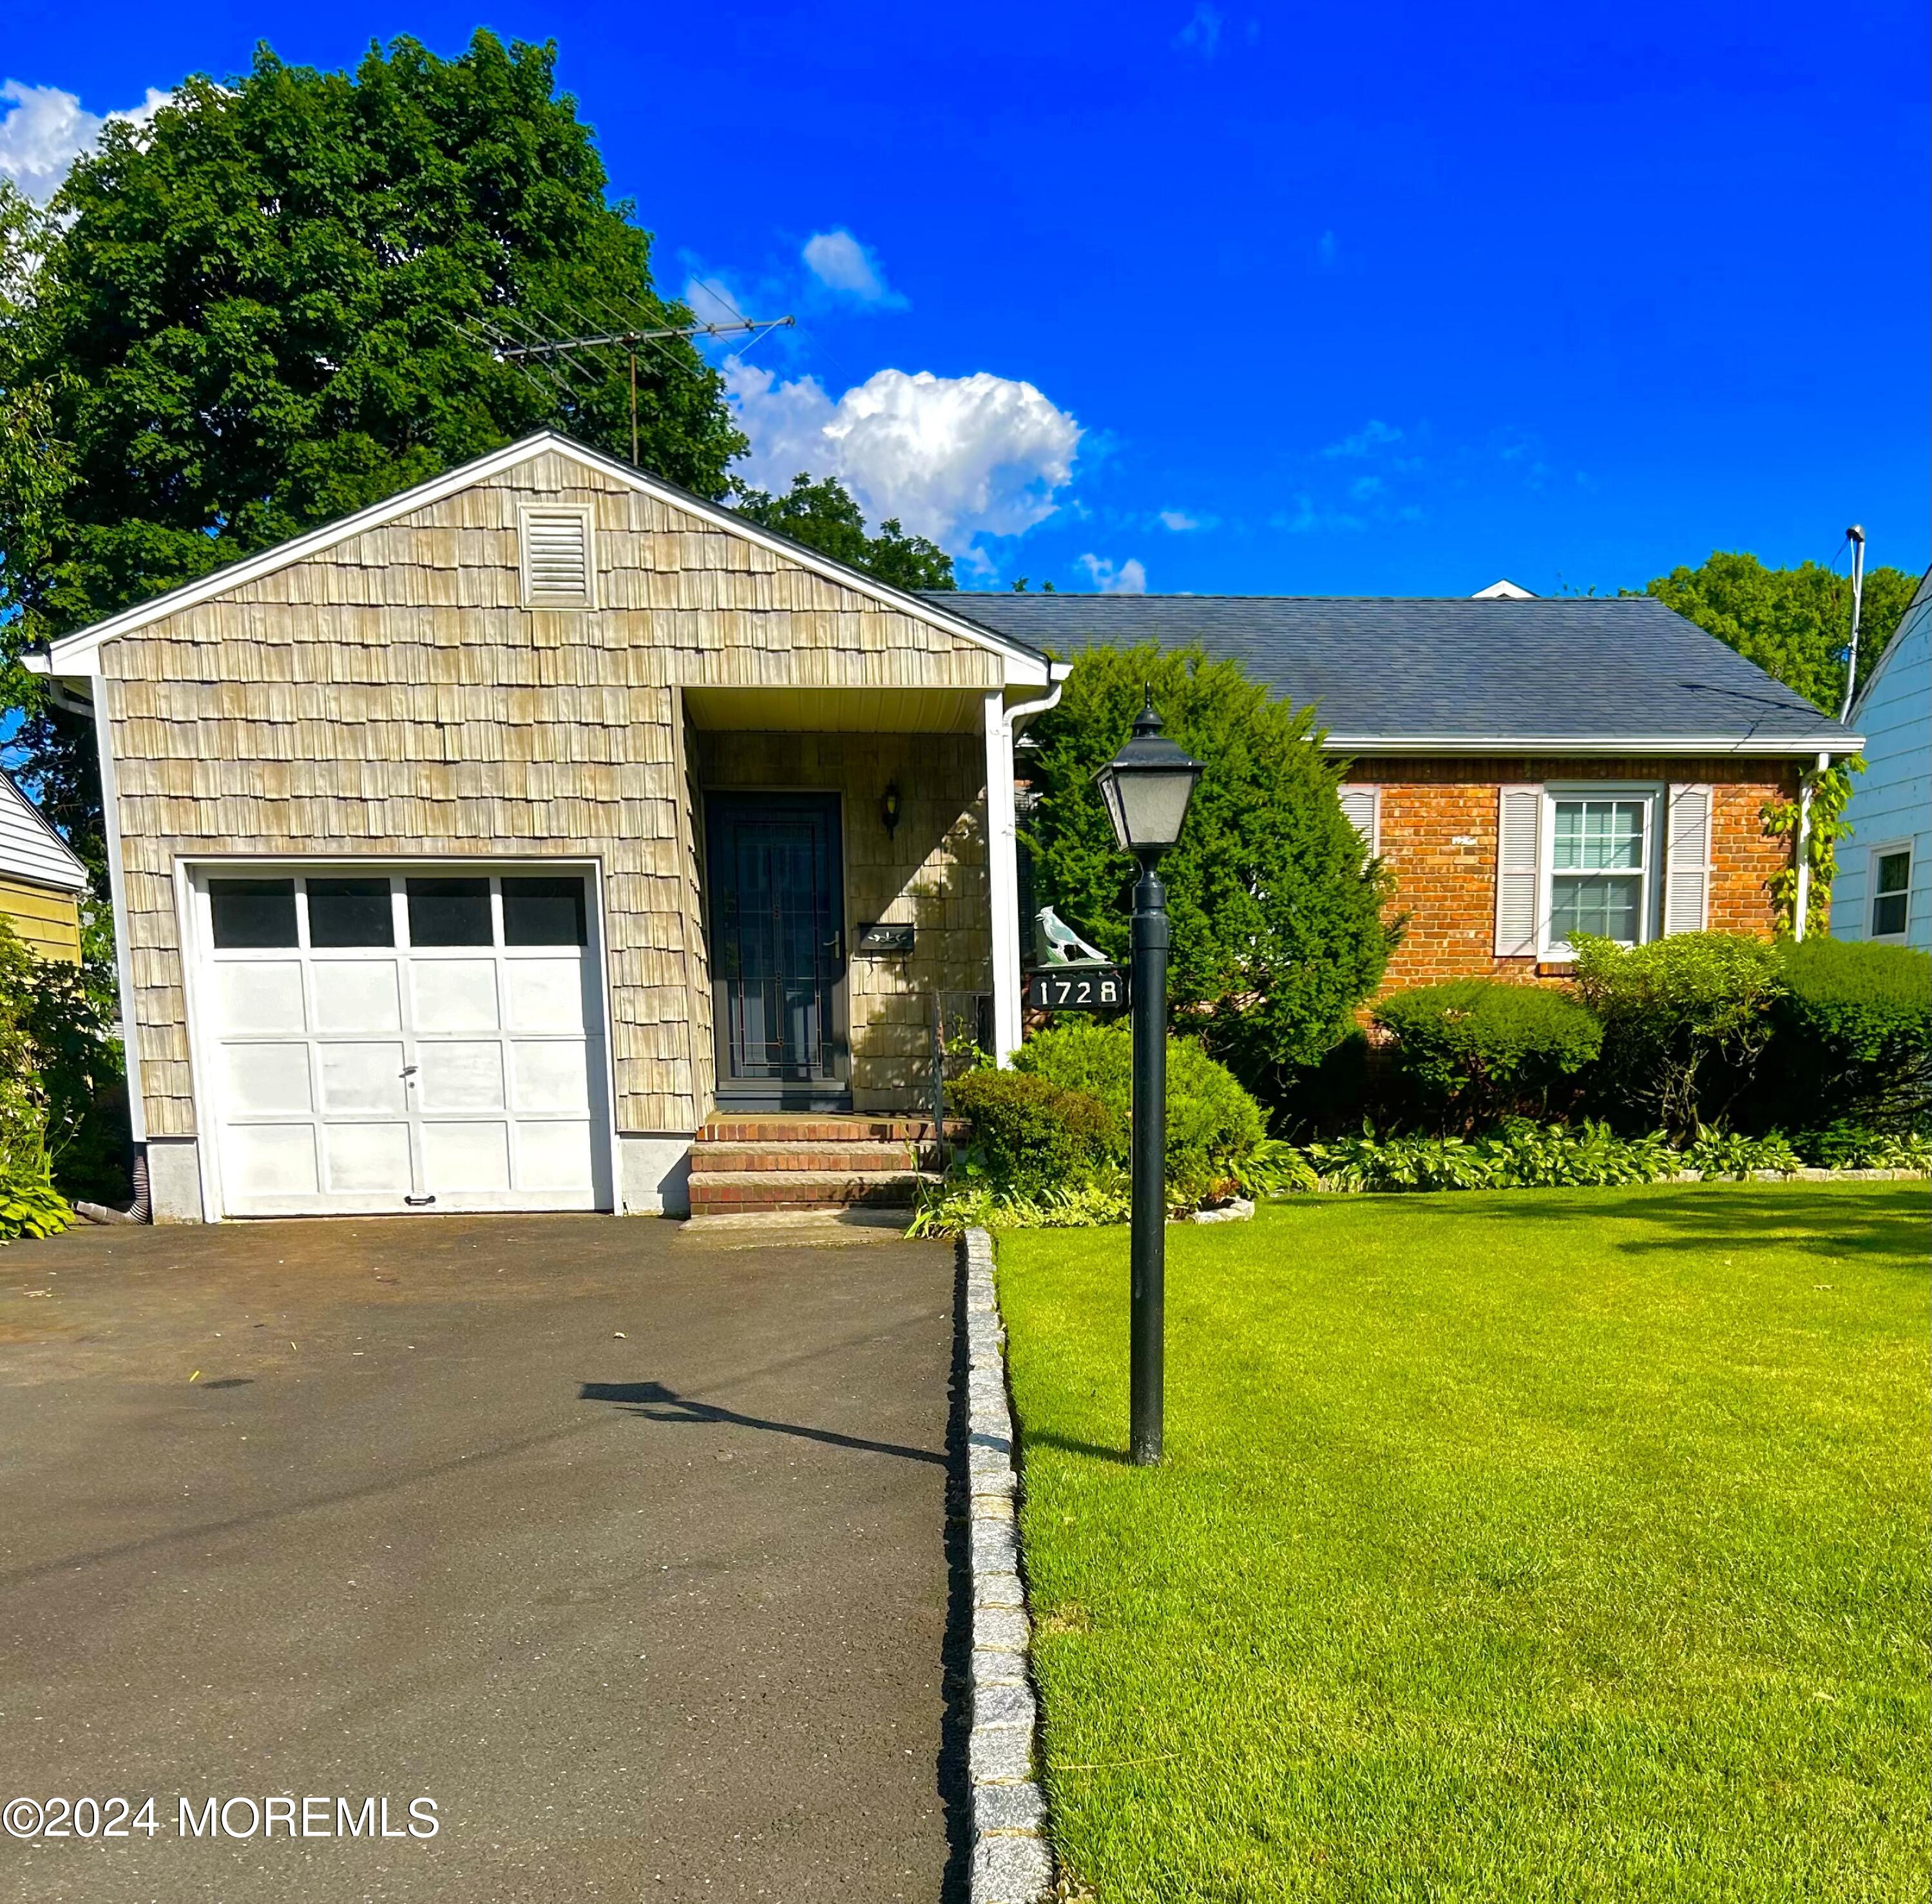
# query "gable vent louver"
(557, 567)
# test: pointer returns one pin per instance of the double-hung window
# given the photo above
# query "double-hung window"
(1892, 890)
(1600, 863)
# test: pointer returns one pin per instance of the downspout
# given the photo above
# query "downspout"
(1803, 903)
(1006, 948)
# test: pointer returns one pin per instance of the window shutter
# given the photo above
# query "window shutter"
(1519, 870)
(1687, 860)
(1361, 806)
(556, 558)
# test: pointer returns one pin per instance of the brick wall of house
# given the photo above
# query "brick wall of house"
(1438, 837)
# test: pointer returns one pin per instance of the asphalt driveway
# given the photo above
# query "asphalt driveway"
(625, 1547)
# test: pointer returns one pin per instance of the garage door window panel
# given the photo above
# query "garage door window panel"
(451, 912)
(350, 913)
(544, 912)
(252, 915)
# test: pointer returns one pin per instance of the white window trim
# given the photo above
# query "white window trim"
(1886, 850)
(532, 597)
(1650, 922)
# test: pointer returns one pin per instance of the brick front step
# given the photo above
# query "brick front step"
(714, 1193)
(819, 1127)
(838, 1159)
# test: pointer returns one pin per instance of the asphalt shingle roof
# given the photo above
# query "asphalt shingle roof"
(1451, 671)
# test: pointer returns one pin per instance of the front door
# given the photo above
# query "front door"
(777, 950)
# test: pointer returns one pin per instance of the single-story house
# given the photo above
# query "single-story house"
(1526, 768)
(544, 836)
(41, 881)
(1883, 891)
(473, 852)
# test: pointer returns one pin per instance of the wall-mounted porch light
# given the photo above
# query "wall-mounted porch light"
(889, 807)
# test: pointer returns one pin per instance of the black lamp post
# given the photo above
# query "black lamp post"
(1146, 787)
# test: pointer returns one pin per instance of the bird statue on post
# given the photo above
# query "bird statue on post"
(1055, 943)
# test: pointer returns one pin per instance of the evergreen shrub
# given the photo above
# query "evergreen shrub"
(1853, 1034)
(1213, 1126)
(1031, 1134)
(1480, 1050)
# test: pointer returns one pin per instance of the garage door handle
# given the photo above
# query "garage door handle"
(419, 1201)
(409, 1071)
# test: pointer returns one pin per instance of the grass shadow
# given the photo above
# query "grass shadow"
(1874, 1220)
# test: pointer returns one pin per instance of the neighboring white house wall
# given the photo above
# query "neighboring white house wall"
(1891, 807)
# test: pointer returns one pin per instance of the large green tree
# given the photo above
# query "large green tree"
(268, 308)
(1277, 908)
(1795, 623)
(823, 516)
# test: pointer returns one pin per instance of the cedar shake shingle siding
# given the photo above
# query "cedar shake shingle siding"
(392, 697)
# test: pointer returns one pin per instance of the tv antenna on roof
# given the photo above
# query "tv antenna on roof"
(513, 339)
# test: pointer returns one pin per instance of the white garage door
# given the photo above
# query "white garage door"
(389, 1042)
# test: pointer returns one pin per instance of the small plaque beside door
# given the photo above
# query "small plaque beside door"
(884, 941)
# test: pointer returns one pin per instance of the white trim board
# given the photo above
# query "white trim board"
(75, 653)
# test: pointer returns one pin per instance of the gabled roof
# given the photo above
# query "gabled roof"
(1620, 675)
(74, 653)
(1911, 625)
(30, 849)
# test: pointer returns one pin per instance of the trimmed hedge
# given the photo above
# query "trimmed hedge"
(1685, 1021)
(1852, 1034)
(1213, 1124)
(1031, 1134)
(1480, 1050)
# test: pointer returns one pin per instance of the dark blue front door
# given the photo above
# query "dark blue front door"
(778, 949)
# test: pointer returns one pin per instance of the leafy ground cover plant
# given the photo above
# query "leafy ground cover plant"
(1523, 1155)
(1480, 1050)
(30, 1206)
(1845, 1145)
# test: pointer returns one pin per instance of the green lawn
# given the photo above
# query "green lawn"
(1526, 1545)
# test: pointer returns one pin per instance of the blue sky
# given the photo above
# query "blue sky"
(1392, 300)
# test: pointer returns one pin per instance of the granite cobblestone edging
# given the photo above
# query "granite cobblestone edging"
(1012, 1860)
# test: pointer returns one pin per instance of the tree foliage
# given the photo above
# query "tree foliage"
(1276, 906)
(1795, 623)
(261, 312)
(823, 516)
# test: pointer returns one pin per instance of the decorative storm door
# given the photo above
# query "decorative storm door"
(778, 949)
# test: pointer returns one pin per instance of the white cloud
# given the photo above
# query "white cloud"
(1129, 577)
(840, 262)
(45, 130)
(1307, 518)
(952, 457)
(1374, 435)
(1181, 522)
(1202, 33)
(711, 301)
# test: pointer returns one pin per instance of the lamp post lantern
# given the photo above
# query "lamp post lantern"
(1146, 787)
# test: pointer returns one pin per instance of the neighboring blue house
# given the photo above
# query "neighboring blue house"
(1883, 891)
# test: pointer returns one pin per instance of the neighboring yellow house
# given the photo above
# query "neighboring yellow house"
(41, 881)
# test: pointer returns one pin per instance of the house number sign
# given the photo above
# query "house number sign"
(1077, 988)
